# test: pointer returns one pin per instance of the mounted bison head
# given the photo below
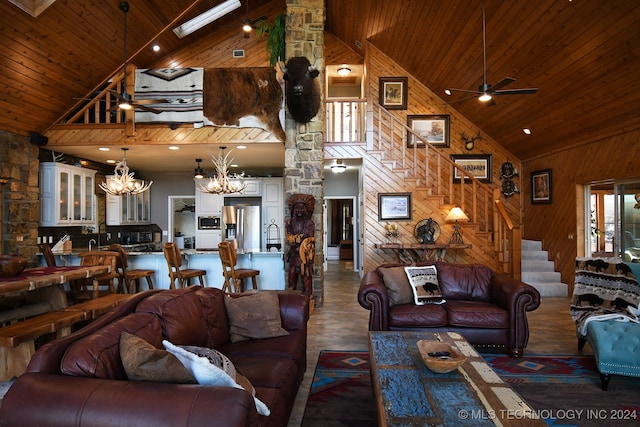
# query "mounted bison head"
(302, 88)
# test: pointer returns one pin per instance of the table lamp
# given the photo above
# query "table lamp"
(456, 215)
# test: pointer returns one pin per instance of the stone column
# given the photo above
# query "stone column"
(304, 152)
(20, 207)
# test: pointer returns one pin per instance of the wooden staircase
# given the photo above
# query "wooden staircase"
(429, 174)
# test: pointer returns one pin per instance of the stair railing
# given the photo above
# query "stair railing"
(432, 170)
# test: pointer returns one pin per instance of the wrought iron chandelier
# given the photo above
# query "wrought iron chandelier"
(123, 181)
(221, 184)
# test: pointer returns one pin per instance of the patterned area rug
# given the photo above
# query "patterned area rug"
(565, 390)
(341, 392)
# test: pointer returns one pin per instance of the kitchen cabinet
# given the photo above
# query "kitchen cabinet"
(208, 239)
(208, 204)
(129, 209)
(66, 195)
(253, 187)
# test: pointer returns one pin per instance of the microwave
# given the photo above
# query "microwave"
(209, 223)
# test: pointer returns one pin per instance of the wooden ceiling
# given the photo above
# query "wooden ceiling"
(583, 55)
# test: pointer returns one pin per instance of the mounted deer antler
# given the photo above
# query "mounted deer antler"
(470, 142)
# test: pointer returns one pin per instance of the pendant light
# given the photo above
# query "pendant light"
(221, 184)
(125, 99)
(198, 173)
(123, 182)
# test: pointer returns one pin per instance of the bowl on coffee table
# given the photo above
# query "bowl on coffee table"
(440, 357)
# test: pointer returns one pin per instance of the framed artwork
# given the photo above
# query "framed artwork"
(393, 92)
(433, 128)
(393, 206)
(478, 165)
(541, 186)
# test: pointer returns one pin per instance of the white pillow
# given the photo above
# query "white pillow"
(205, 371)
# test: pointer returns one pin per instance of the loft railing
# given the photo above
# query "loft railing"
(345, 120)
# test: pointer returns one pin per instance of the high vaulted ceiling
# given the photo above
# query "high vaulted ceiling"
(583, 55)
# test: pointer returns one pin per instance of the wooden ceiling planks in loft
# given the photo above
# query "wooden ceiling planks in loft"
(582, 55)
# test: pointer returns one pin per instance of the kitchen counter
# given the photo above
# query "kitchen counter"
(270, 264)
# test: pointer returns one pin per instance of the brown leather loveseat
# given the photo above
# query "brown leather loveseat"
(80, 380)
(487, 308)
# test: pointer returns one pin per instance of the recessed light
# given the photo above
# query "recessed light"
(447, 92)
(526, 131)
(173, 147)
(103, 149)
(155, 48)
(241, 147)
(110, 161)
(233, 165)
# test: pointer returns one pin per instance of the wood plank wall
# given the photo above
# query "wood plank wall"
(614, 158)
(378, 178)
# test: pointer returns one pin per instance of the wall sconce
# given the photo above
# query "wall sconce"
(455, 215)
(198, 173)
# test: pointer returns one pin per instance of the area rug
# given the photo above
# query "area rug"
(564, 390)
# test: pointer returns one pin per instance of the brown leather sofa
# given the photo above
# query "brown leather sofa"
(194, 316)
(487, 308)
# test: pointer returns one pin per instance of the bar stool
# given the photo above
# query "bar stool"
(174, 262)
(231, 274)
(80, 288)
(47, 253)
(129, 280)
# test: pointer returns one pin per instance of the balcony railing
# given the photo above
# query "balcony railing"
(345, 120)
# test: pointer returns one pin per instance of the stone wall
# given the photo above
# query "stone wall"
(20, 203)
(304, 159)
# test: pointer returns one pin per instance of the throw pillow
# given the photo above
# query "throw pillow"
(210, 367)
(424, 284)
(143, 362)
(254, 316)
(398, 287)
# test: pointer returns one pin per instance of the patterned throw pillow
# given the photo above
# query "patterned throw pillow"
(424, 284)
(210, 367)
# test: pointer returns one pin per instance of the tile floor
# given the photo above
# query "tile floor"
(341, 324)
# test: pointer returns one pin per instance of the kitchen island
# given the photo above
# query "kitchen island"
(270, 264)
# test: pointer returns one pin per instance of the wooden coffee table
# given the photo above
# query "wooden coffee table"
(407, 393)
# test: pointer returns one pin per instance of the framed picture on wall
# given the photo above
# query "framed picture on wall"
(432, 128)
(541, 186)
(478, 165)
(393, 92)
(393, 206)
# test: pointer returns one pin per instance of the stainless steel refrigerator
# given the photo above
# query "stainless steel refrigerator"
(247, 227)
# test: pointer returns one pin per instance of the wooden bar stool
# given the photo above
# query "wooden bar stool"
(80, 288)
(129, 280)
(174, 262)
(233, 275)
(47, 253)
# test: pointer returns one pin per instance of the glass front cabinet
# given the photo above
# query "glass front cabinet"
(129, 209)
(66, 195)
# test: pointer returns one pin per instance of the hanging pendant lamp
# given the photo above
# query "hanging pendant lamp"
(123, 181)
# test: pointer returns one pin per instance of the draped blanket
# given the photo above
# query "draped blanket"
(605, 288)
(232, 97)
(179, 91)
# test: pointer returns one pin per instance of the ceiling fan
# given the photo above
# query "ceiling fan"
(485, 91)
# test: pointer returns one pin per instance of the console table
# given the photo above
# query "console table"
(411, 252)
